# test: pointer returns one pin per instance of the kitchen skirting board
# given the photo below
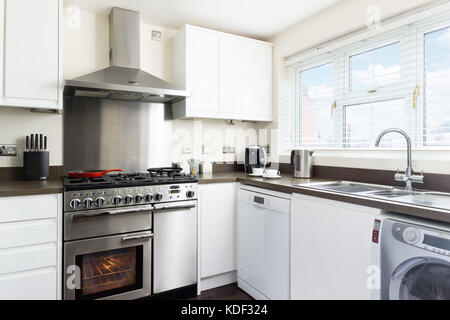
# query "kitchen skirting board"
(218, 281)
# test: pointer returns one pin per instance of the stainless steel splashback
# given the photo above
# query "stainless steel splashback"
(113, 134)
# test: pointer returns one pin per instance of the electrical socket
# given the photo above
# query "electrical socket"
(228, 149)
(156, 35)
(186, 149)
(8, 150)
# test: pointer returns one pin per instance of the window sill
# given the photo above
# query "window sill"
(430, 161)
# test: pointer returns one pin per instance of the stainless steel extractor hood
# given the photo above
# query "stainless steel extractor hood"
(124, 80)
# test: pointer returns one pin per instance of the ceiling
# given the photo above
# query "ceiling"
(256, 18)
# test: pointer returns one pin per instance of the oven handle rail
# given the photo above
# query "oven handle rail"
(145, 236)
(93, 214)
(173, 207)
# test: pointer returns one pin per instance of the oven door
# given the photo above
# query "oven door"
(114, 267)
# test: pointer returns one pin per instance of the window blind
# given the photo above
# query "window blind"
(345, 98)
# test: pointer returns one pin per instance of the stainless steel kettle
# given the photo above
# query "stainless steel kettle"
(302, 163)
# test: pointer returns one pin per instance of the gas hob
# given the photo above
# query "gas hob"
(128, 189)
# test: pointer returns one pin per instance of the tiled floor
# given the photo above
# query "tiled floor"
(229, 292)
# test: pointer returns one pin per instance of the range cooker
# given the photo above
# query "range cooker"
(128, 236)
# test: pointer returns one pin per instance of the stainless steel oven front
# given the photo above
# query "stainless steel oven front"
(108, 253)
(112, 267)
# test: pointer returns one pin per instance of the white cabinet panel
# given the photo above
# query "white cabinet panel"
(31, 247)
(203, 71)
(330, 249)
(28, 208)
(30, 285)
(32, 66)
(245, 78)
(27, 258)
(16, 234)
(217, 228)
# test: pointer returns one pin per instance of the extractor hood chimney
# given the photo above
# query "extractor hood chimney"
(124, 80)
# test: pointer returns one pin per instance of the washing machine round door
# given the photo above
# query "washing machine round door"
(422, 278)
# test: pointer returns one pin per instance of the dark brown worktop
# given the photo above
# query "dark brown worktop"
(27, 188)
(287, 182)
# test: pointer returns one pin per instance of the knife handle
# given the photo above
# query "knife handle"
(45, 143)
(41, 141)
(36, 142)
(32, 143)
(27, 143)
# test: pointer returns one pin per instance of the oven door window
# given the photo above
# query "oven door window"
(110, 272)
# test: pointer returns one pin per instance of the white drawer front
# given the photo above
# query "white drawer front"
(27, 258)
(30, 285)
(28, 207)
(17, 234)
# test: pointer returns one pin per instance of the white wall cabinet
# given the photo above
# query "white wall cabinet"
(245, 79)
(228, 77)
(217, 205)
(31, 247)
(330, 249)
(31, 52)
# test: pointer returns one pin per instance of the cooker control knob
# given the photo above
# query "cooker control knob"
(75, 203)
(87, 203)
(148, 197)
(411, 235)
(158, 197)
(190, 194)
(117, 200)
(138, 198)
(128, 199)
(100, 202)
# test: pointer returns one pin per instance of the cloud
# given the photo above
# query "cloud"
(376, 75)
(444, 39)
(320, 92)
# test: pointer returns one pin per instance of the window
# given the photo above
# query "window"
(376, 68)
(364, 122)
(437, 88)
(316, 97)
(400, 79)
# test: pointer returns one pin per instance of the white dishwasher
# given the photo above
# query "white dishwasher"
(264, 243)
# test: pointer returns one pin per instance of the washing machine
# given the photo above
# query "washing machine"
(414, 260)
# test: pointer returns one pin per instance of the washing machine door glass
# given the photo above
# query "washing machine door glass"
(423, 278)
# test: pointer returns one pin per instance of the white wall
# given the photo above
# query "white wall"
(339, 20)
(16, 123)
(86, 50)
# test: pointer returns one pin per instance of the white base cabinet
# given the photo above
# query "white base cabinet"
(217, 238)
(30, 247)
(330, 249)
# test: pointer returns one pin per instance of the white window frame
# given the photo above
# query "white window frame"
(403, 90)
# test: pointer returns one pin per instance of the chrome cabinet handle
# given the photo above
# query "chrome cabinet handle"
(156, 209)
(147, 236)
(78, 216)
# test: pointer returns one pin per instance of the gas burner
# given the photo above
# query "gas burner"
(153, 177)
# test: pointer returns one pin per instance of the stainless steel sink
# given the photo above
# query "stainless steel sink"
(394, 193)
(345, 187)
(415, 197)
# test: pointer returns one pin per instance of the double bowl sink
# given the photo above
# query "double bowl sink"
(414, 197)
